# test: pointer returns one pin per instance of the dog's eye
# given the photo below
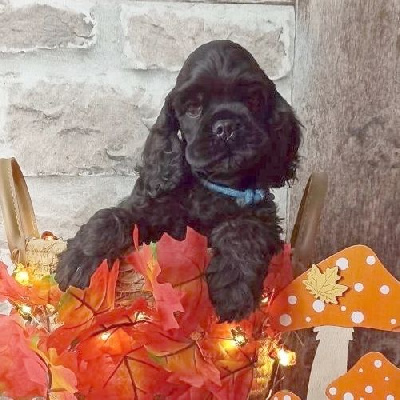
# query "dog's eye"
(194, 109)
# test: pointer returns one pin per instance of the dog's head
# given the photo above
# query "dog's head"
(235, 128)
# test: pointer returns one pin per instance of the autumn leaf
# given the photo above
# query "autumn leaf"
(23, 374)
(116, 332)
(167, 299)
(219, 344)
(280, 271)
(235, 385)
(62, 380)
(129, 376)
(10, 289)
(183, 357)
(323, 285)
(40, 292)
(78, 308)
(188, 392)
(183, 264)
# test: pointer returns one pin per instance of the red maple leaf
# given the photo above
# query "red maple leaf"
(280, 271)
(167, 299)
(183, 265)
(132, 375)
(22, 372)
(235, 384)
(78, 308)
(115, 332)
(40, 292)
(183, 357)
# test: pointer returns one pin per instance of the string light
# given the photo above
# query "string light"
(239, 337)
(264, 299)
(50, 308)
(105, 335)
(22, 277)
(141, 316)
(25, 311)
(285, 357)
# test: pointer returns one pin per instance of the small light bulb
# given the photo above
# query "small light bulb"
(25, 310)
(286, 358)
(22, 277)
(105, 335)
(239, 337)
(141, 316)
(264, 299)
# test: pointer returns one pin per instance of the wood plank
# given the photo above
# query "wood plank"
(346, 93)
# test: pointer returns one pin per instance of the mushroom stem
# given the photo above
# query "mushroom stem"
(333, 348)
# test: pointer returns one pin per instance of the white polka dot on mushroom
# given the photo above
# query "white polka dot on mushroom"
(384, 289)
(348, 396)
(343, 308)
(358, 287)
(342, 263)
(292, 300)
(318, 306)
(360, 370)
(357, 317)
(386, 378)
(308, 319)
(378, 363)
(332, 391)
(393, 321)
(371, 260)
(369, 389)
(287, 397)
(390, 397)
(285, 320)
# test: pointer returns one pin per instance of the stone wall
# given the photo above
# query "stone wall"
(81, 81)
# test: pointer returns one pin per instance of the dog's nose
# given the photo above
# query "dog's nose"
(225, 128)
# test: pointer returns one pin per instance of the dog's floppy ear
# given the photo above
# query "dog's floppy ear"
(164, 166)
(285, 135)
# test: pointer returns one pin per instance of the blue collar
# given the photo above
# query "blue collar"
(243, 197)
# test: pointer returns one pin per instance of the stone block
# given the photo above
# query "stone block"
(72, 129)
(162, 35)
(42, 26)
(62, 203)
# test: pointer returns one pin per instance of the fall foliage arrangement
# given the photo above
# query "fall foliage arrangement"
(166, 344)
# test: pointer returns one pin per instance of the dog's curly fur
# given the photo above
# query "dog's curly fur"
(235, 130)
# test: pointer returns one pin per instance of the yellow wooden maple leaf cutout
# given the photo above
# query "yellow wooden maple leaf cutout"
(323, 285)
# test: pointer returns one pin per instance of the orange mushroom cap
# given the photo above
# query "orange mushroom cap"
(370, 301)
(373, 377)
(285, 395)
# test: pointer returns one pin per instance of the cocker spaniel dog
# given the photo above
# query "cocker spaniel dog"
(223, 138)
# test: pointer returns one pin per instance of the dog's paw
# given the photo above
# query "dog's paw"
(233, 303)
(107, 235)
(74, 268)
(232, 294)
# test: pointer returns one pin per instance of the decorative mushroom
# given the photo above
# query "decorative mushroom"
(372, 377)
(340, 293)
(285, 395)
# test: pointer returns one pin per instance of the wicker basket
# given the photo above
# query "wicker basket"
(38, 252)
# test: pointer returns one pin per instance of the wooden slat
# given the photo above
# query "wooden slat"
(347, 94)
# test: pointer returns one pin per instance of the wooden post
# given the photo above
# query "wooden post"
(346, 92)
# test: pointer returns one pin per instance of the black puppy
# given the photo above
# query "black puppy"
(238, 138)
